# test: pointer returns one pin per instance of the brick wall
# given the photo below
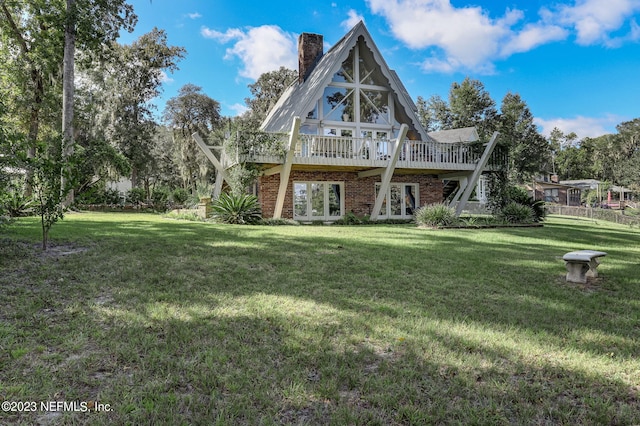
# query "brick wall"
(359, 192)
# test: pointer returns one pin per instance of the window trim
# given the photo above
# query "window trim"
(387, 205)
(326, 214)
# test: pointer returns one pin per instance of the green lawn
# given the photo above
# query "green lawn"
(174, 322)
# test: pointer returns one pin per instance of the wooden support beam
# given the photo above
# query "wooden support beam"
(221, 173)
(455, 175)
(464, 182)
(372, 172)
(286, 167)
(484, 159)
(388, 173)
(273, 171)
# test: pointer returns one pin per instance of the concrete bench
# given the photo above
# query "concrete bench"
(582, 264)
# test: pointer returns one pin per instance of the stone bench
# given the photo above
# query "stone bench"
(582, 264)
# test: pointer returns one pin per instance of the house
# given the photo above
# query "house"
(555, 192)
(607, 195)
(350, 141)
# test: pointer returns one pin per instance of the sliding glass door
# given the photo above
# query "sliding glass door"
(318, 200)
(400, 200)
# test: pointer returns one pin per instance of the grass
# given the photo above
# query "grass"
(173, 322)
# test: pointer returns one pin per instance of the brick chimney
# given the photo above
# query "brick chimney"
(310, 51)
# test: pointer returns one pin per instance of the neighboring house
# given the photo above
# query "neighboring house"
(546, 187)
(353, 142)
(555, 192)
(609, 195)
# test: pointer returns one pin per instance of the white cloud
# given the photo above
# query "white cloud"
(532, 36)
(582, 126)
(353, 18)
(595, 20)
(260, 49)
(225, 37)
(194, 15)
(164, 77)
(468, 38)
(239, 109)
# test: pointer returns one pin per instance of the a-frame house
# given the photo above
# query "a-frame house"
(352, 141)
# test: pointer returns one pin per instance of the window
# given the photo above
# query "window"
(551, 195)
(338, 104)
(574, 197)
(400, 201)
(374, 107)
(358, 98)
(318, 200)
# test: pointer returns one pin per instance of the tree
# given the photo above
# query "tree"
(10, 159)
(98, 160)
(44, 35)
(528, 151)
(266, 91)
(134, 78)
(434, 114)
(471, 105)
(166, 167)
(571, 158)
(30, 32)
(46, 169)
(189, 112)
(626, 154)
(68, 87)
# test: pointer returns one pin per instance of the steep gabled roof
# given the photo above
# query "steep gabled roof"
(300, 98)
(465, 134)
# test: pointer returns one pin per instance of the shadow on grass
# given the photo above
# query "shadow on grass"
(394, 326)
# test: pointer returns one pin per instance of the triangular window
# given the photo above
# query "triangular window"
(345, 74)
(369, 70)
(358, 97)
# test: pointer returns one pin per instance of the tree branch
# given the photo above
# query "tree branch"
(16, 31)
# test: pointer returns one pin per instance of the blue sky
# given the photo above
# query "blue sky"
(575, 62)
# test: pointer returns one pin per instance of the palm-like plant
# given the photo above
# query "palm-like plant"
(240, 209)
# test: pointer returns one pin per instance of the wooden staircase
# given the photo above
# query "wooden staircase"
(449, 189)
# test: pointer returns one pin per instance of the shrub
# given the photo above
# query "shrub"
(92, 195)
(184, 215)
(180, 195)
(237, 209)
(159, 198)
(240, 177)
(501, 195)
(136, 196)
(517, 213)
(435, 215)
(350, 219)
(281, 221)
(17, 205)
(521, 196)
(111, 196)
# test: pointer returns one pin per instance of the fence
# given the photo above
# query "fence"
(594, 213)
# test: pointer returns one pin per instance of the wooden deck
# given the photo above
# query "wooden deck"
(334, 151)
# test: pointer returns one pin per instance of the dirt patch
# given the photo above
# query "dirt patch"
(592, 285)
(12, 249)
(57, 250)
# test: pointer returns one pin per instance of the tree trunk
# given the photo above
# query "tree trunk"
(32, 138)
(68, 89)
(134, 177)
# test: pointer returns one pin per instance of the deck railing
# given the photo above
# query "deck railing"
(344, 150)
